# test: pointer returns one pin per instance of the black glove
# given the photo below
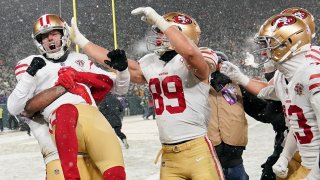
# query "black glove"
(118, 60)
(219, 80)
(36, 64)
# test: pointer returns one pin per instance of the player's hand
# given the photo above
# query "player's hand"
(234, 73)
(280, 168)
(75, 35)
(150, 16)
(67, 77)
(80, 90)
(36, 64)
(118, 60)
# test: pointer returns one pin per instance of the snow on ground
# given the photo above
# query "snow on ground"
(20, 158)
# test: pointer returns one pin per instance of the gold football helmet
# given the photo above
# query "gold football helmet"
(45, 24)
(185, 23)
(283, 36)
(303, 14)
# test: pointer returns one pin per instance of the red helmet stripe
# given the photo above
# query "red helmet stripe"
(47, 19)
(41, 21)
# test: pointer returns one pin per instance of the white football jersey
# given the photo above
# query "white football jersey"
(48, 76)
(180, 98)
(295, 97)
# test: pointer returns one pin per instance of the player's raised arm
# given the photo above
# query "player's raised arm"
(179, 42)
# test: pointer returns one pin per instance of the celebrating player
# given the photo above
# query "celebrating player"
(77, 124)
(286, 40)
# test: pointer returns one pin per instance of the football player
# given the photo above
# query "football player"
(40, 130)
(177, 73)
(71, 110)
(285, 40)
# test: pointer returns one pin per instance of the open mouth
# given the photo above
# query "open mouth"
(52, 46)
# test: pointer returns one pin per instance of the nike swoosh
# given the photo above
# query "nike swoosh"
(199, 159)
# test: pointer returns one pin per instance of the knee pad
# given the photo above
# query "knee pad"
(114, 173)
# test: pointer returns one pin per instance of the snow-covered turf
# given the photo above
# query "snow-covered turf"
(20, 158)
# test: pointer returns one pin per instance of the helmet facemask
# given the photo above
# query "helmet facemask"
(158, 42)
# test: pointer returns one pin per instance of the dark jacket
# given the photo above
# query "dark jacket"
(265, 111)
(111, 108)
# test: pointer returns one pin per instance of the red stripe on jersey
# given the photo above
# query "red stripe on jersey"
(312, 86)
(19, 66)
(313, 76)
(312, 56)
(20, 72)
(316, 51)
(91, 64)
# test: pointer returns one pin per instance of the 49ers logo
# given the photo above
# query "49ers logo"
(300, 14)
(182, 19)
(283, 21)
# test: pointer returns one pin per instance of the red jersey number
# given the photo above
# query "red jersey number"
(302, 122)
(177, 94)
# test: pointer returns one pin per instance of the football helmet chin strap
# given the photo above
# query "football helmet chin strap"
(167, 56)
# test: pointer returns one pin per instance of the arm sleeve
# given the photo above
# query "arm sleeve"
(290, 146)
(268, 93)
(21, 94)
(121, 80)
(315, 171)
(315, 103)
(47, 146)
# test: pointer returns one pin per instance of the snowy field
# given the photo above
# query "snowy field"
(20, 158)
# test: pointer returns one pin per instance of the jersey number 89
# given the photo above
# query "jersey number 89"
(162, 88)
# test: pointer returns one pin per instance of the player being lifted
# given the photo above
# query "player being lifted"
(61, 80)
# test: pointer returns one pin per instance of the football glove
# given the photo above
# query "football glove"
(234, 73)
(118, 60)
(150, 16)
(280, 168)
(36, 64)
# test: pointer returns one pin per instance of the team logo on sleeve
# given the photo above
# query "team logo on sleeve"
(298, 89)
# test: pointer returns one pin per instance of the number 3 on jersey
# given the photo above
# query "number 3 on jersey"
(162, 89)
(302, 123)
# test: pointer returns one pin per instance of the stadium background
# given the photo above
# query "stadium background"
(227, 25)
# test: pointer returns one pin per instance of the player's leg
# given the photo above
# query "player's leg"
(64, 123)
(301, 173)
(93, 170)
(97, 137)
(54, 170)
(194, 159)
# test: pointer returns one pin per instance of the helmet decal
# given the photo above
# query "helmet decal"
(283, 21)
(182, 19)
(300, 14)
